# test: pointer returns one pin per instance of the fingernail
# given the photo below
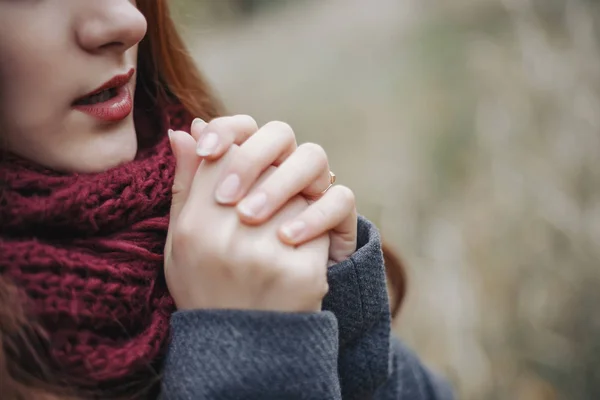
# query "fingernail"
(170, 133)
(228, 189)
(293, 230)
(198, 122)
(208, 143)
(253, 205)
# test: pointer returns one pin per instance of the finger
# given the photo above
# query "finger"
(335, 212)
(198, 125)
(305, 169)
(272, 144)
(218, 135)
(186, 164)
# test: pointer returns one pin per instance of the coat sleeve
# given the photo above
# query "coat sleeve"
(410, 379)
(371, 364)
(344, 352)
(247, 355)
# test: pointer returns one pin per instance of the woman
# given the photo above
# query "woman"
(139, 264)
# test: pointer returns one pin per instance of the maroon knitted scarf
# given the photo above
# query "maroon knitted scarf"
(87, 252)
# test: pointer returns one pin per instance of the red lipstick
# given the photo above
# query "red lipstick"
(111, 102)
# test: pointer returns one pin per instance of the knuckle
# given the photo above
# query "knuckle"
(247, 121)
(232, 126)
(269, 274)
(287, 140)
(345, 195)
(318, 283)
(261, 256)
(189, 236)
(316, 152)
(322, 288)
(301, 275)
(184, 232)
(287, 136)
(178, 187)
(263, 252)
(280, 127)
(314, 149)
(216, 125)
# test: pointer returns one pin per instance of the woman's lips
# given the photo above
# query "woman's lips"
(114, 109)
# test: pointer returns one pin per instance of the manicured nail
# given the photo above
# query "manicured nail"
(208, 143)
(293, 230)
(228, 189)
(253, 205)
(170, 133)
(198, 122)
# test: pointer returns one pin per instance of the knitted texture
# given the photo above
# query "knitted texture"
(87, 252)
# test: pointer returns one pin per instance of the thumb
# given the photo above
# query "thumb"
(186, 164)
(344, 238)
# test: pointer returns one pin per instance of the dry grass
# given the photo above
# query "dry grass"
(469, 131)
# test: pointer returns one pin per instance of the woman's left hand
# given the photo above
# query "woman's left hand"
(301, 169)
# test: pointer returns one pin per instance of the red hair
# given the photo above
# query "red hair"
(166, 72)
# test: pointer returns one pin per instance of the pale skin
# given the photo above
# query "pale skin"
(242, 233)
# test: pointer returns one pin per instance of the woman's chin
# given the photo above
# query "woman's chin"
(107, 151)
(103, 163)
(95, 157)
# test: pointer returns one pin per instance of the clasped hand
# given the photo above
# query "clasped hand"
(252, 225)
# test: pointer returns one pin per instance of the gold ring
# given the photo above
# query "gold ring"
(315, 197)
(331, 182)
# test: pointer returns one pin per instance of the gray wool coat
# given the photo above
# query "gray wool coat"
(344, 352)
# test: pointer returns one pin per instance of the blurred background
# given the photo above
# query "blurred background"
(469, 130)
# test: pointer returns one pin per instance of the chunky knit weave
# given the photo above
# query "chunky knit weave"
(87, 252)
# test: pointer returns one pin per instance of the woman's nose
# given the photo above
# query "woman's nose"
(110, 25)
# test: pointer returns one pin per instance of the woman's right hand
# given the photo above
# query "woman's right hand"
(213, 261)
